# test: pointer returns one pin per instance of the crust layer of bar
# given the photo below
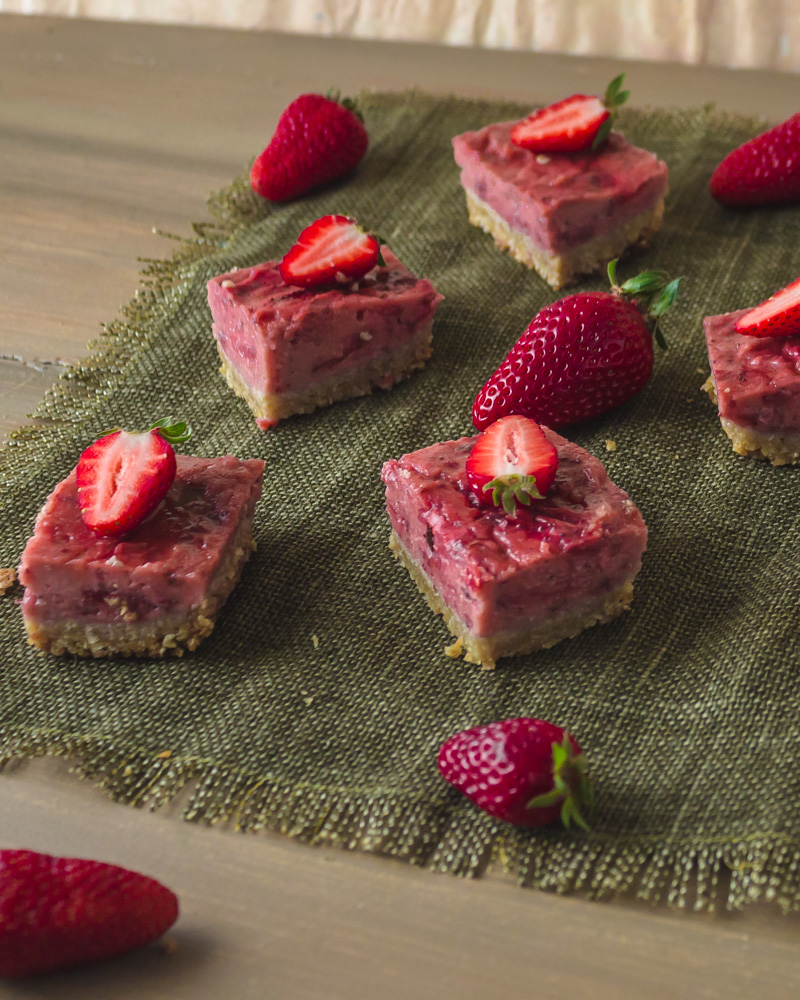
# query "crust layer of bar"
(560, 270)
(168, 636)
(780, 449)
(485, 650)
(383, 371)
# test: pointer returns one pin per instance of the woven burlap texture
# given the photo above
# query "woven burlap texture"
(319, 702)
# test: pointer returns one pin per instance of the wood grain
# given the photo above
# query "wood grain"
(105, 132)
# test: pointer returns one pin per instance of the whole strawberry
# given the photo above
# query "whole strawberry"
(582, 355)
(763, 171)
(524, 771)
(59, 912)
(316, 140)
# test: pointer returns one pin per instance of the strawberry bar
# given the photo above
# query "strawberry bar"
(755, 383)
(154, 591)
(514, 584)
(287, 349)
(562, 214)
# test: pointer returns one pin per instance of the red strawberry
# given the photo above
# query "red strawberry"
(779, 316)
(512, 461)
(523, 771)
(763, 171)
(58, 912)
(580, 356)
(577, 122)
(333, 248)
(123, 477)
(316, 140)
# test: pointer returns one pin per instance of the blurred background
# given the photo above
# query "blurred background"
(761, 34)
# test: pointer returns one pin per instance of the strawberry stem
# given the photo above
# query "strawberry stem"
(346, 102)
(173, 432)
(613, 100)
(571, 786)
(381, 245)
(652, 292)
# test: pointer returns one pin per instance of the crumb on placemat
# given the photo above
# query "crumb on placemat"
(611, 445)
(455, 649)
(169, 945)
(7, 578)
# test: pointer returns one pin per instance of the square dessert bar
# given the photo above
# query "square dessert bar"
(507, 585)
(290, 350)
(755, 382)
(562, 214)
(154, 591)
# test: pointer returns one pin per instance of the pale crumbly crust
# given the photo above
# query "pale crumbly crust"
(780, 449)
(382, 371)
(168, 636)
(560, 270)
(7, 579)
(485, 650)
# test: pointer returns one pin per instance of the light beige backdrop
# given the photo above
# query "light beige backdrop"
(735, 33)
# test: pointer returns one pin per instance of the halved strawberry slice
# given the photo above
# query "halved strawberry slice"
(123, 477)
(511, 462)
(779, 316)
(333, 246)
(577, 122)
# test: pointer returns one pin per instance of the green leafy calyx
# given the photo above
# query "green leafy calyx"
(381, 245)
(508, 491)
(613, 100)
(346, 102)
(571, 786)
(653, 292)
(174, 432)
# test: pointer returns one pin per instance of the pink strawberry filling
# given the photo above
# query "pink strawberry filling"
(160, 568)
(757, 379)
(281, 338)
(498, 573)
(559, 200)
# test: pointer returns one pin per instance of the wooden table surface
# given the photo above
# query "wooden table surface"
(109, 130)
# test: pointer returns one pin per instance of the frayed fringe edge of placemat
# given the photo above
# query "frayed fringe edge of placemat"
(702, 876)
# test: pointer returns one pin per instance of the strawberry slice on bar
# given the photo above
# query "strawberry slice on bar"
(512, 462)
(333, 248)
(562, 127)
(779, 316)
(577, 122)
(123, 477)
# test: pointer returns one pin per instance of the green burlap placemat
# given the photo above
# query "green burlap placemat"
(319, 702)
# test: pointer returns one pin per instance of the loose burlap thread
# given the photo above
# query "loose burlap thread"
(319, 702)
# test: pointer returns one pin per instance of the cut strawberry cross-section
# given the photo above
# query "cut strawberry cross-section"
(123, 477)
(577, 122)
(779, 316)
(511, 462)
(334, 248)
